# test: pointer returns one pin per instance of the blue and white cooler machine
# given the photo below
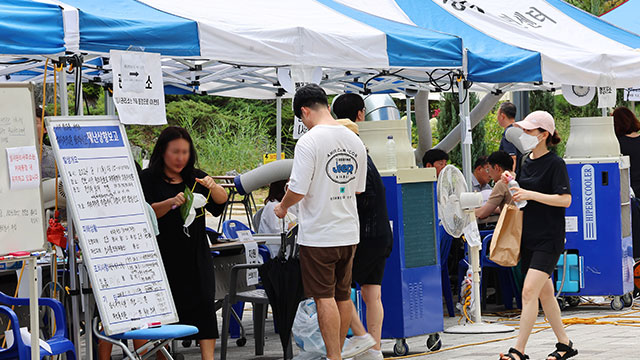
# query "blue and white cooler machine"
(599, 256)
(411, 288)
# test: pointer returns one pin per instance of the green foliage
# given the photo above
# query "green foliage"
(228, 138)
(493, 131)
(542, 100)
(449, 118)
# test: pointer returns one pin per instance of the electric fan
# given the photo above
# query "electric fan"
(456, 211)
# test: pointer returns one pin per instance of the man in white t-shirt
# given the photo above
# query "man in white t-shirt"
(329, 169)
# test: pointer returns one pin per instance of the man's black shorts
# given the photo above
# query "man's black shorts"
(367, 269)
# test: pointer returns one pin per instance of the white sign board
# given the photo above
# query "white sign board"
(24, 169)
(108, 208)
(606, 97)
(138, 89)
(252, 256)
(632, 94)
(298, 128)
(21, 214)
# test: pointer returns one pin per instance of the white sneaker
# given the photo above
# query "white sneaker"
(357, 345)
(370, 354)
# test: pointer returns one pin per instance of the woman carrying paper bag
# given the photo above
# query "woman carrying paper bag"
(544, 184)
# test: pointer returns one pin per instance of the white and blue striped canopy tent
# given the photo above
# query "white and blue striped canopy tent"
(529, 41)
(233, 48)
(626, 16)
(30, 28)
(213, 45)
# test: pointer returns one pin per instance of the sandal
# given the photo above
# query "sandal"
(568, 350)
(513, 351)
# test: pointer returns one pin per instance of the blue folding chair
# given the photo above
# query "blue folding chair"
(444, 241)
(230, 228)
(158, 338)
(59, 342)
(506, 280)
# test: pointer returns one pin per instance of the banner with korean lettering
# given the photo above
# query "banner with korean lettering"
(568, 49)
(108, 208)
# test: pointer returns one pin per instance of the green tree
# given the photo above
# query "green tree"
(542, 100)
(449, 118)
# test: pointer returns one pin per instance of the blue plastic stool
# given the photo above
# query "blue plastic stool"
(158, 338)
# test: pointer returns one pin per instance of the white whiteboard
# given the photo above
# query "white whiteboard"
(21, 212)
(108, 209)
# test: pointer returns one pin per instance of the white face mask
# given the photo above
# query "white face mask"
(198, 201)
(529, 142)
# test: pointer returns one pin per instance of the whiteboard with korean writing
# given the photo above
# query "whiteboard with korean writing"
(21, 213)
(117, 240)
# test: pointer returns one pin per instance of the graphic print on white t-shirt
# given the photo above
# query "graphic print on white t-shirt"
(329, 168)
(342, 166)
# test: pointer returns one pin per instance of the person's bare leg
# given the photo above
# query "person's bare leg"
(371, 294)
(553, 313)
(104, 350)
(329, 322)
(356, 325)
(346, 310)
(533, 283)
(207, 347)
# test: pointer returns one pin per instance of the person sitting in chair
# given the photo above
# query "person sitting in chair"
(499, 161)
(269, 222)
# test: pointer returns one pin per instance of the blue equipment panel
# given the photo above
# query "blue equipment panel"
(599, 229)
(411, 288)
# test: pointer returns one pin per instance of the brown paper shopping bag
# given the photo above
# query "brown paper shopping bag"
(505, 243)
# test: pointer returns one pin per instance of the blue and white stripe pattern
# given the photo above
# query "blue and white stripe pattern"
(504, 41)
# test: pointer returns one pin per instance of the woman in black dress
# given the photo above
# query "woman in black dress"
(544, 184)
(185, 252)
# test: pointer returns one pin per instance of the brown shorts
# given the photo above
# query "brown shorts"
(326, 271)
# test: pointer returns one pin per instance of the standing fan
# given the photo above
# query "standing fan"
(456, 211)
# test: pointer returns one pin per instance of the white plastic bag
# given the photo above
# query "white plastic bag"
(306, 331)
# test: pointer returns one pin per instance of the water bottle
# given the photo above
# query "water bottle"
(392, 161)
(514, 184)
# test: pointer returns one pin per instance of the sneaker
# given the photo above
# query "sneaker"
(357, 345)
(370, 355)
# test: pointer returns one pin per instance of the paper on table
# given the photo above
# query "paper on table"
(26, 338)
(24, 171)
(252, 257)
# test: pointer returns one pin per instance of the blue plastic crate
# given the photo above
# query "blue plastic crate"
(572, 279)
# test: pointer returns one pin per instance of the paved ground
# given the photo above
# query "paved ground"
(605, 341)
(613, 335)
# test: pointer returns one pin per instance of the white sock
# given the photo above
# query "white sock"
(360, 337)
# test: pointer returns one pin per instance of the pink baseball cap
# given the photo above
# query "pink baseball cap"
(538, 119)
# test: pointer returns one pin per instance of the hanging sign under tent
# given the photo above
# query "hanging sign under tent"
(108, 209)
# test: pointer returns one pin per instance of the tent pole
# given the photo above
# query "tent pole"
(109, 107)
(64, 94)
(465, 128)
(465, 122)
(408, 116)
(73, 268)
(278, 127)
(80, 101)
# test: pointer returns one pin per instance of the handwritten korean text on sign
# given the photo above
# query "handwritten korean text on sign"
(24, 172)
